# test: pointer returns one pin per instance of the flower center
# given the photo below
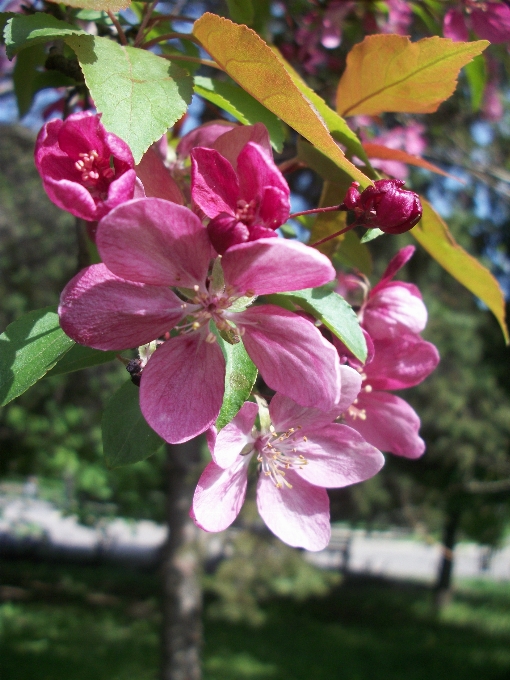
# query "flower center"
(246, 212)
(277, 452)
(96, 172)
(209, 307)
(353, 410)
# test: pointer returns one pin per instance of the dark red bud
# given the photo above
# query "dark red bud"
(384, 205)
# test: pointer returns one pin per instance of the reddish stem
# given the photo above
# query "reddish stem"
(313, 211)
(328, 238)
(120, 30)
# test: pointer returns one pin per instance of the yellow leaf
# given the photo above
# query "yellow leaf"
(253, 65)
(433, 235)
(100, 5)
(390, 73)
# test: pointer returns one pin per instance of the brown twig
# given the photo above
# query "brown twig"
(196, 60)
(149, 9)
(120, 30)
(168, 36)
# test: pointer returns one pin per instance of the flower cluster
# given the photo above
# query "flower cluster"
(392, 316)
(186, 251)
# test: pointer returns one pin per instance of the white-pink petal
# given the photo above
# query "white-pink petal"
(298, 516)
(182, 387)
(394, 309)
(220, 495)
(275, 266)
(154, 241)
(235, 436)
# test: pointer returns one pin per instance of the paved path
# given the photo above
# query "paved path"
(380, 553)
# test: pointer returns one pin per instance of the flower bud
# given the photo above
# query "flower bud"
(384, 205)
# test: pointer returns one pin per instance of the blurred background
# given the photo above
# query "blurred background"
(416, 581)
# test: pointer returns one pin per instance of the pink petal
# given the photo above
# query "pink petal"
(275, 266)
(396, 263)
(337, 456)
(292, 355)
(394, 309)
(390, 425)
(492, 22)
(454, 26)
(182, 387)
(101, 310)
(204, 135)
(231, 143)
(154, 241)
(69, 195)
(219, 495)
(351, 385)
(214, 186)
(274, 207)
(298, 516)
(80, 134)
(256, 171)
(402, 362)
(235, 436)
(157, 179)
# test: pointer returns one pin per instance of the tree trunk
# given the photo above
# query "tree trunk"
(182, 596)
(443, 591)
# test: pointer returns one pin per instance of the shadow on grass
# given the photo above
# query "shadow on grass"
(86, 623)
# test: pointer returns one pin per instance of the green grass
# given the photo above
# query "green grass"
(88, 623)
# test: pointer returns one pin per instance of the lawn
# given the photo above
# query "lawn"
(101, 623)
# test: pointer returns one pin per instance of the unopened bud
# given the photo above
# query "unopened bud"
(384, 205)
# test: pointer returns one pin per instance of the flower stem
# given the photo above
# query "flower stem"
(328, 238)
(196, 60)
(120, 30)
(168, 36)
(149, 9)
(313, 211)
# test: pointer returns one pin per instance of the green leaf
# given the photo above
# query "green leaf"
(29, 348)
(321, 164)
(370, 234)
(139, 94)
(127, 438)
(241, 11)
(25, 30)
(353, 253)
(476, 73)
(80, 357)
(334, 312)
(242, 106)
(240, 377)
(28, 80)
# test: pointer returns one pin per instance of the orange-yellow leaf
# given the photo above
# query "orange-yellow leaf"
(100, 5)
(253, 65)
(433, 235)
(386, 154)
(390, 73)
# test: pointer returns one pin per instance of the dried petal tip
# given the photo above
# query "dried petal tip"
(384, 205)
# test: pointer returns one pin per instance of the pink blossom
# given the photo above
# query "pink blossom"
(240, 189)
(85, 169)
(300, 453)
(150, 244)
(488, 20)
(400, 14)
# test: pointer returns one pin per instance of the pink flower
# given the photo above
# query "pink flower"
(393, 308)
(400, 14)
(384, 205)
(488, 20)
(148, 245)
(383, 419)
(300, 453)
(238, 186)
(85, 169)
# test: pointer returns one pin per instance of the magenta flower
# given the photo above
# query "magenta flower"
(488, 20)
(85, 169)
(238, 186)
(148, 245)
(384, 205)
(393, 308)
(383, 419)
(300, 453)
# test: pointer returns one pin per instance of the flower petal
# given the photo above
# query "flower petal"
(275, 265)
(214, 185)
(157, 179)
(256, 171)
(220, 495)
(298, 516)
(154, 241)
(401, 362)
(274, 207)
(291, 354)
(390, 424)
(235, 436)
(231, 143)
(182, 387)
(101, 310)
(337, 456)
(204, 135)
(394, 309)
